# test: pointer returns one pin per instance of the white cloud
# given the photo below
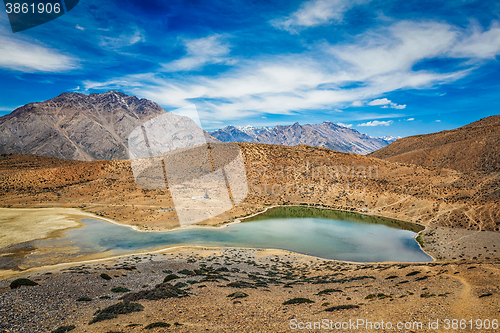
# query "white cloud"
(478, 43)
(386, 104)
(199, 52)
(344, 125)
(316, 12)
(438, 121)
(79, 27)
(382, 101)
(24, 55)
(394, 106)
(381, 59)
(212, 122)
(123, 40)
(377, 123)
(410, 119)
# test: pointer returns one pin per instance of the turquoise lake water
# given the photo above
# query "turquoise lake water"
(318, 232)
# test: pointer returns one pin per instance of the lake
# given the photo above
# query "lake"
(322, 233)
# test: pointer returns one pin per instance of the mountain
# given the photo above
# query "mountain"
(326, 135)
(254, 131)
(232, 134)
(473, 147)
(77, 126)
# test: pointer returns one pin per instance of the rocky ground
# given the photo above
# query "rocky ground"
(449, 243)
(244, 290)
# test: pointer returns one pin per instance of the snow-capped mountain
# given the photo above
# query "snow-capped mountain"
(328, 135)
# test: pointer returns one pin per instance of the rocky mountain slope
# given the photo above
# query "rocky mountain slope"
(326, 135)
(76, 126)
(474, 147)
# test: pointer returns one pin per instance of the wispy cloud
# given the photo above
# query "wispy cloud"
(316, 12)
(27, 55)
(477, 43)
(410, 119)
(123, 40)
(199, 52)
(212, 122)
(394, 106)
(377, 123)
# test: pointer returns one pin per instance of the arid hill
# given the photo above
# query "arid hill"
(276, 175)
(474, 147)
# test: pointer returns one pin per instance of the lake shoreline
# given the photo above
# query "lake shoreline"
(233, 241)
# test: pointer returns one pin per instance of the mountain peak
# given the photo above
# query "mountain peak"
(76, 126)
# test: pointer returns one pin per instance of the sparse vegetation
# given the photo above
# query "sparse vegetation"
(379, 296)
(157, 324)
(341, 307)
(238, 294)
(22, 282)
(329, 291)
(297, 300)
(114, 310)
(160, 291)
(186, 272)
(170, 277)
(240, 284)
(120, 290)
(64, 329)
(105, 276)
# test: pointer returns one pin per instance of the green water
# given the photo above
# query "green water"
(319, 232)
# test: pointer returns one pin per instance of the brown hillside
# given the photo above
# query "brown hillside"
(474, 147)
(293, 175)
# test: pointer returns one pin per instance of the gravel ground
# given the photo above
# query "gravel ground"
(467, 289)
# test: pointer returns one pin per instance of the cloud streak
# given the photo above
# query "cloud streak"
(316, 12)
(377, 123)
(200, 52)
(24, 55)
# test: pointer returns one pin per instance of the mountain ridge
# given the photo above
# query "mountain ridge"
(326, 135)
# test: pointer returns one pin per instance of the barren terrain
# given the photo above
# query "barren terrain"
(276, 175)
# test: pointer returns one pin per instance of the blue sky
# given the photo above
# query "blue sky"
(382, 67)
